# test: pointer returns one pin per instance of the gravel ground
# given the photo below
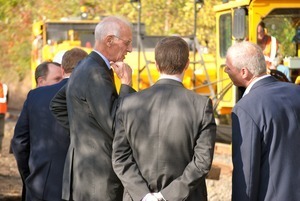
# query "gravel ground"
(220, 190)
(10, 182)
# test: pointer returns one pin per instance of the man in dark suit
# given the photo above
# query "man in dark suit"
(91, 98)
(165, 135)
(39, 143)
(265, 130)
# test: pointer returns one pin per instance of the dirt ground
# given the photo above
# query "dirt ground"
(10, 182)
(11, 185)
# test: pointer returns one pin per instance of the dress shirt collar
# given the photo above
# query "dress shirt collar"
(104, 58)
(172, 77)
(252, 83)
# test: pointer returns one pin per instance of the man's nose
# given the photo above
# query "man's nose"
(129, 48)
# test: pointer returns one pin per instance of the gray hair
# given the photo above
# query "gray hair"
(111, 25)
(248, 55)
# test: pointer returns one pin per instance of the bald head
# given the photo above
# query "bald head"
(111, 25)
(113, 38)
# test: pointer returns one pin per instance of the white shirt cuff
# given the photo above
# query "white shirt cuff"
(159, 196)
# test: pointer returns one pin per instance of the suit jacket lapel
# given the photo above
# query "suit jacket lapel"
(99, 60)
(94, 55)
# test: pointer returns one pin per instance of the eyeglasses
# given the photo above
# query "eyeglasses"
(126, 42)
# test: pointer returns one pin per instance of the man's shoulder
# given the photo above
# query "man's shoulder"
(92, 64)
(267, 91)
(150, 92)
(45, 91)
(53, 87)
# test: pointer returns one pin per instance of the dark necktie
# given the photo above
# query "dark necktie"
(111, 72)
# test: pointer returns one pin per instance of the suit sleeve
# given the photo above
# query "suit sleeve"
(246, 145)
(196, 171)
(20, 142)
(102, 97)
(58, 107)
(125, 89)
(124, 164)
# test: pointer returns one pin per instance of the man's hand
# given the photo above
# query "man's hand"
(123, 71)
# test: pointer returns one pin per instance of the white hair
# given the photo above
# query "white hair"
(248, 55)
(111, 25)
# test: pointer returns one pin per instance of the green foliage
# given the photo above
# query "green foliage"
(161, 17)
(6, 7)
(283, 29)
(168, 17)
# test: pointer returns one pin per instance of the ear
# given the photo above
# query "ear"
(109, 40)
(40, 82)
(245, 73)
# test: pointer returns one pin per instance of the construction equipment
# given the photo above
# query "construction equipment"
(237, 21)
(52, 36)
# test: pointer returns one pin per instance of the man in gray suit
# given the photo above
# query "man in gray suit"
(165, 135)
(91, 103)
(265, 130)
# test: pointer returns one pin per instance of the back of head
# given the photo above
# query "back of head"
(42, 70)
(172, 55)
(248, 55)
(71, 59)
(111, 25)
(58, 57)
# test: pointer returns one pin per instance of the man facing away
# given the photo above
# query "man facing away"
(165, 135)
(91, 99)
(39, 143)
(265, 130)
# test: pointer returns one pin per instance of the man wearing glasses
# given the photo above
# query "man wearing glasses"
(92, 97)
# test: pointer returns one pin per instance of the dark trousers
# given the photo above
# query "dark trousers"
(2, 120)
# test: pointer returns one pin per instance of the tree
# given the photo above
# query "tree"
(161, 17)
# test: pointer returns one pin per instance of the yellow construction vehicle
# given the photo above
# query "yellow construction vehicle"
(238, 20)
(52, 36)
(235, 21)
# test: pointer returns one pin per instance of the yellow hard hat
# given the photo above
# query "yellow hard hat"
(37, 28)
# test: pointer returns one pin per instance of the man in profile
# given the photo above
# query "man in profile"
(91, 98)
(265, 130)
